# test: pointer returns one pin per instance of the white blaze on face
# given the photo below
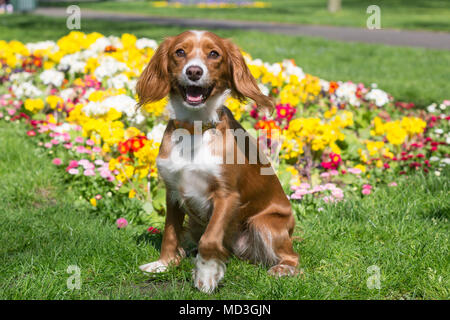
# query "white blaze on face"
(197, 60)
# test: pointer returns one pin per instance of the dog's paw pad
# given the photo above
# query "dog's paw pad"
(154, 267)
(282, 270)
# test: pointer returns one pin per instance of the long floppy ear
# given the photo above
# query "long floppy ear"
(243, 83)
(154, 83)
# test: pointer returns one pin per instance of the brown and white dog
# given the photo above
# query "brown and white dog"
(232, 208)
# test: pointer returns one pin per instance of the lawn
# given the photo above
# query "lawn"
(409, 74)
(403, 231)
(397, 14)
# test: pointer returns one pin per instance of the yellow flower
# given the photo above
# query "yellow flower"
(53, 101)
(132, 194)
(34, 105)
(93, 202)
(156, 108)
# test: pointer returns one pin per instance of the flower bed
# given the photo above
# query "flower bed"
(337, 139)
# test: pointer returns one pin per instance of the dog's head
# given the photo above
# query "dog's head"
(195, 67)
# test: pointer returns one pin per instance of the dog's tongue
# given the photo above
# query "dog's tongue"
(194, 94)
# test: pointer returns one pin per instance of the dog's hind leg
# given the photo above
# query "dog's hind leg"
(268, 241)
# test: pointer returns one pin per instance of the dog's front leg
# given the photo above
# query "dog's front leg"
(211, 257)
(171, 251)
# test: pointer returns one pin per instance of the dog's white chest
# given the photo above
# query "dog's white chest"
(188, 172)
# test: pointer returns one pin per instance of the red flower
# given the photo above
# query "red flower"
(31, 133)
(153, 230)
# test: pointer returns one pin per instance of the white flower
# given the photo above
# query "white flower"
(72, 62)
(121, 103)
(157, 132)
(442, 106)
(437, 173)
(445, 161)
(67, 94)
(432, 107)
(438, 131)
(290, 69)
(20, 76)
(379, 96)
(263, 89)
(347, 93)
(100, 44)
(41, 45)
(434, 158)
(146, 43)
(325, 85)
(53, 77)
(25, 89)
(108, 67)
(118, 82)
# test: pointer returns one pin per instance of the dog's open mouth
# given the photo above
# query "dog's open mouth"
(195, 95)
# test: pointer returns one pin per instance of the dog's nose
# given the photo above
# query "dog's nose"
(194, 73)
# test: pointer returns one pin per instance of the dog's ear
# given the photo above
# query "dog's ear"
(243, 84)
(154, 84)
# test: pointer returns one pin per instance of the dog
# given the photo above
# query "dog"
(232, 208)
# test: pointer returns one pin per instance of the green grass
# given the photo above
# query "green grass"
(409, 74)
(404, 231)
(399, 14)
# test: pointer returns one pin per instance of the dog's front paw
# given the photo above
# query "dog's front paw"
(281, 270)
(154, 267)
(207, 274)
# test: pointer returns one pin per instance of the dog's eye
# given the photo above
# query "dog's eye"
(180, 53)
(213, 54)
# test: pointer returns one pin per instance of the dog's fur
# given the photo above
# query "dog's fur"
(232, 208)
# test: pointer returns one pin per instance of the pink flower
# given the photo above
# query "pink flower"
(392, 184)
(96, 149)
(367, 186)
(338, 194)
(89, 142)
(99, 162)
(73, 164)
(80, 149)
(304, 185)
(296, 196)
(57, 161)
(334, 172)
(68, 145)
(73, 171)
(1, 115)
(366, 191)
(354, 170)
(48, 145)
(121, 223)
(89, 173)
(79, 140)
(324, 175)
(98, 197)
(54, 141)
